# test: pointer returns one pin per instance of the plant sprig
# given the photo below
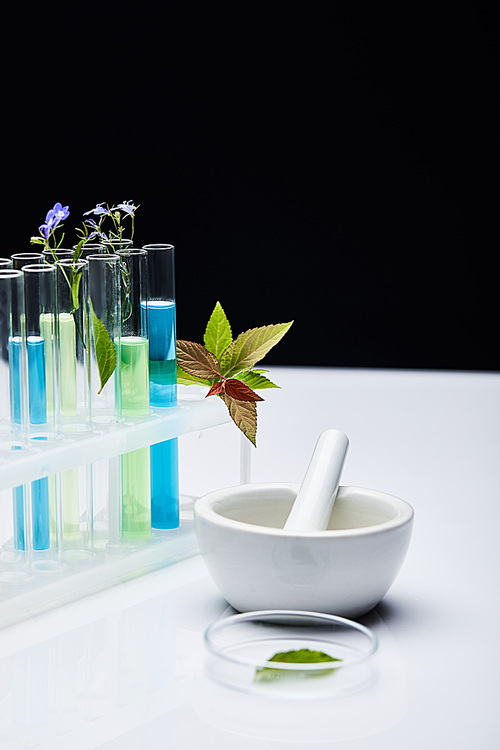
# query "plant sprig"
(91, 229)
(226, 366)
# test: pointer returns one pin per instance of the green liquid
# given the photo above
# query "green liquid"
(69, 408)
(70, 489)
(47, 333)
(70, 504)
(136, 494)
(67, 348)
(136, 482)
(134, 358)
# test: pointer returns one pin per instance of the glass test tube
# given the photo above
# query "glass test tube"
(72, 301)
(90, 248)
(56, 255)
(115, 245)
(19, 260)
(74, 396)
(105, 310)
(134, 391)
(161, 325)
(13, 391)
(42, 331)
(105, 306)
(21, 505)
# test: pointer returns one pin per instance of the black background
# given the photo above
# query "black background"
(334, 164)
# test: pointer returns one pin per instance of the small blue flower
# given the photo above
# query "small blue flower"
(92, 223)
(98, 211)
(45, 229)
(128, 207)
(60, 213)
(53, 218)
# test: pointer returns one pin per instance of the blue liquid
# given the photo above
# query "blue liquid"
(163, 392)
(36, 380)
(37, 415)
(15, 416)
(162, 358)
(165, 485)
(15, 379)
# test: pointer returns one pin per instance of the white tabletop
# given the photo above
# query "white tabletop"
(123, 669)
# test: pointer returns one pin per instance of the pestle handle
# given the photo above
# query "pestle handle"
(314, 502)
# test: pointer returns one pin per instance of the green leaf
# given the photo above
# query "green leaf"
(255, 380)
(299, 656)
(243, 414)
(78, 250)
(76, 278)
(184, 379)
(218, 334)
(104, 349)
(250, 347)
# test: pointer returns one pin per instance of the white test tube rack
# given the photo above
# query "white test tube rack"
(38, 590)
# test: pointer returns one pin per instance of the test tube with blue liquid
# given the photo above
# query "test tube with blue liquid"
(134, 392)
(20, 494)
(161, 324)
(43, 382)
(13, 387)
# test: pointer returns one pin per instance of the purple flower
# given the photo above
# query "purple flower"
(98, 211)
(60, 213)
(54, 216)
(91, 223)
(128, 207)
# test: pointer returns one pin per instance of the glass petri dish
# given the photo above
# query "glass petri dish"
(256, 652)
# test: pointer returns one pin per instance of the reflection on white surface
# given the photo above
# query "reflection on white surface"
(136, 673)
(85, 686)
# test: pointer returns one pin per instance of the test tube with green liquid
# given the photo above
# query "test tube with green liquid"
(134, 392)
(76, 495)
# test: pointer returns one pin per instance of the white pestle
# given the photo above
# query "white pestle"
(315, 499)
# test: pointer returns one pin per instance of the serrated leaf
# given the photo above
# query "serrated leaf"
(184, 379)
(239, 390)
(243, 414)
(196, 360)
(218, 334)
(104, 349)
(254, 379)
(251, 346)
(216, 389)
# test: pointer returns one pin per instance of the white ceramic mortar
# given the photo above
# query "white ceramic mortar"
(257, 564)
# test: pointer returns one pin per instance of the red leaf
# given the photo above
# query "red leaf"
(216, 389)
(197, 361)
(240, 391)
